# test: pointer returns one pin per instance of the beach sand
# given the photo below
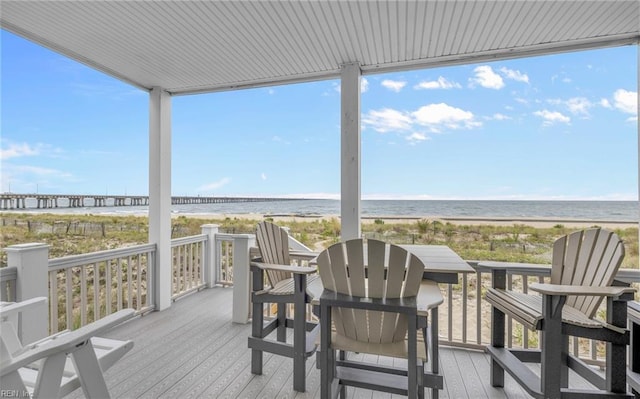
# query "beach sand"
(389, 219)
(495, 221)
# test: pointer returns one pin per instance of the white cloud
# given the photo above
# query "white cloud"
(214, 185)
(575, 105)
(436, 116)
(279, 139)
(441, 83)
(393, 85)
(263, 176)
(579, 105)
(486, 77)
(551, 117)
(416, 137)
(15, 150)
(605, 103)
(514, 75)
(626, 101)
(387, 119)
(499, 117)
(364, 85)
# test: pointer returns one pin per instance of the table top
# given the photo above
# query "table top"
(439, 258)
(441, 263)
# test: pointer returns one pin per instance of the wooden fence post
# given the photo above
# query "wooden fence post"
(241, 287)
(211, 270)
(32, 266)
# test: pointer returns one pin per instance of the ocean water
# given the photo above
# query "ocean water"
(562, 210)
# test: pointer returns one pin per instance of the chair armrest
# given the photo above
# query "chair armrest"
(557, 289)
(305, 255)
(65, 343)
(13, 308)
(406, 305)
(429, 297)
(284, 268)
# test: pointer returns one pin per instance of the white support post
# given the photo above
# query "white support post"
(32, 264)
(160, 193)
(350, 151)
(211, 272)
(241, 283)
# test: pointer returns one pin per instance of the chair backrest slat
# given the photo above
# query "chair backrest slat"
(344, 269)
(376, 284)
(273, 242)
(590, 257)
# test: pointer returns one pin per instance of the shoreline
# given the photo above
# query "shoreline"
(538, 222)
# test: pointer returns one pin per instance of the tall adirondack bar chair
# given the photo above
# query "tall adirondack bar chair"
(374, 301)
(584, 264)
(287, 284)
(58, 364)
(634, 358)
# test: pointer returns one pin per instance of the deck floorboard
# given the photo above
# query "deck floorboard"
(193, 350)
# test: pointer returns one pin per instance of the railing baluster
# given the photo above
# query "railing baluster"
(525, 331)
(450, 311)
(120, 287)
(129, 280)
(96, 291)
(53, 301)
(139, 283)
(509, 320)
(69, 298)
(189, 252)
(464, 308)
(83, 296)
(478, 308)
(107, 286)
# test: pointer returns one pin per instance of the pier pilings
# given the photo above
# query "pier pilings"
(45, 201)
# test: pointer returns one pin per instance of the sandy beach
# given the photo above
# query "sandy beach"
(537, 222)
(495, 221)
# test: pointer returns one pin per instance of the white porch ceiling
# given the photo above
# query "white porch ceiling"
(200, 46)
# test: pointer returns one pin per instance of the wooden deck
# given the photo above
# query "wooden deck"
(193, 350)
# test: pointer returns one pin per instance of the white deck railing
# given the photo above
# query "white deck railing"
(187, 264)
(84, 288)
(124, 278)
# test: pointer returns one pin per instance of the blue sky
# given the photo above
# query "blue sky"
(553, 127)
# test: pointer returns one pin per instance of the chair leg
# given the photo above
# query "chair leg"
(564, 371)
(299, 334)
(281, 332)
(257, 320)
(89, 372)
(435, 356)
(412, 358)
(499, 278)
(326, 354)
(616, 353)
(552, 346)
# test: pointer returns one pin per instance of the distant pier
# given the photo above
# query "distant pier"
(44, 201)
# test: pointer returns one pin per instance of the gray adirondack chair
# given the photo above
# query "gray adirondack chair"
(584, 265)
(634, 358)
(287, 284)
(374, 301)
(57, 365)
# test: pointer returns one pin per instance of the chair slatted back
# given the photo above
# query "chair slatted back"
(273, 242)
(589, 257)
(392, 272)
